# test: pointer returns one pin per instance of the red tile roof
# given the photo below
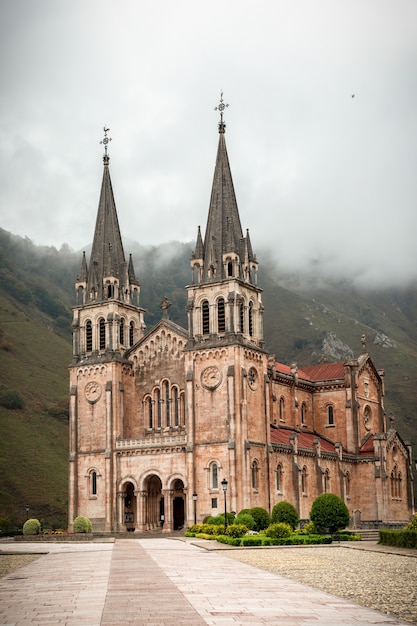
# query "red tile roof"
(323, 371)
(368, 446)
(305, 440)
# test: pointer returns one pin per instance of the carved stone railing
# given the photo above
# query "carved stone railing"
(151, 442)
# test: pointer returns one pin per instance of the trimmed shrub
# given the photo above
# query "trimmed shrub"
(32, 527)
(308, 529)
(236, 530)
(251, 540)
(329, 513)
(285, 512)
(246, 519)
(406, 538)
(217, 520)
(230, 541)
(230, 517)
(82, 524)
(261, 517)
(279, 530)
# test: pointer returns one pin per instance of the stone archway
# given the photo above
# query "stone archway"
(178, 505)
(154, 513)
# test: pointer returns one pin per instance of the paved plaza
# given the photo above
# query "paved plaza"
(158, 582)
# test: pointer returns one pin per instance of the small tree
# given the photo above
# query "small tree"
(285, 512)
(32, 527)
(246, 519)
(82, 524)
(261, 517)
(330, 513)
(279, 530)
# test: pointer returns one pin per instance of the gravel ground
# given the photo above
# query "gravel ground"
(11, 562)
(386, 582)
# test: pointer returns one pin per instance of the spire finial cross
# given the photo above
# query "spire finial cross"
(105, 142)
(221, 107)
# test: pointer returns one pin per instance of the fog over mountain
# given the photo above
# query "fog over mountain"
(320, 132)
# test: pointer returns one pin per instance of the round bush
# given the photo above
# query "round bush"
(285, 512)
(217, 520)
(279, 530)
(82, 524)
(261, 517)
(236, 530)
(246, 519)
(329, 513)
(32, 527)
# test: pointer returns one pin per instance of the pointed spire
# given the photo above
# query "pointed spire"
(224, 235)
(107, 255)
(199, 249)
(83, 276)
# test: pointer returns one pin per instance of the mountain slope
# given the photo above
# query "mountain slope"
(302, 323)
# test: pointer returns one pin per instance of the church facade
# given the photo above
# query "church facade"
(170, 425)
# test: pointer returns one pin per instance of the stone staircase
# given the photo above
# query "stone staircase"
(370, 534)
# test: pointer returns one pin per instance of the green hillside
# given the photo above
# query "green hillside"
(301, 323)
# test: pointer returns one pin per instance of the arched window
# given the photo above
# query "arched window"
(176, 406)
(304, 480)
(167, 404)
(149, 412)
(241, 317)
(80, 295)
(214, 476)
(251, 319)
(122, 332)
(281, 409)
(110, 291)
(158, 408)
(131, 333)
(88, 336)
(330, 415)
(205, 317)
(230, 268)
(278, 477)
(255, 472)
(102, 333)
(221, 319)
(303, 414)
(93, 483)
(182, 408)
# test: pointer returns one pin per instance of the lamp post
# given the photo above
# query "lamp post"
(27, 512)
(224, 487)
(195, 507)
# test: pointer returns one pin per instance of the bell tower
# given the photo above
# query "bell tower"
(225, 356)
(107, 320)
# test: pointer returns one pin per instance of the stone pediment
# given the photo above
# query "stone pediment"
(165, 337)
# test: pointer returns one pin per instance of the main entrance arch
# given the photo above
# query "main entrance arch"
(155, 506)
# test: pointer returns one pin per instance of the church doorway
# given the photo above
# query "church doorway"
(129, 506)
(178, 505)
(154, 502)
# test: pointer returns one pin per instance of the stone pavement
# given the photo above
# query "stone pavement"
(161, 582)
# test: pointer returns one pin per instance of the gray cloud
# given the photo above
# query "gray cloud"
(324, 179)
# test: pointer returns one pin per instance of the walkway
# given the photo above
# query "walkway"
(161, 582)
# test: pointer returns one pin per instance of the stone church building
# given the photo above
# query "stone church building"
(160, 419)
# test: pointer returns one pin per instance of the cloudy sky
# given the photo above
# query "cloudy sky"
(321, 127)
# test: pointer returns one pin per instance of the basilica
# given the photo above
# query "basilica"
(169, 425)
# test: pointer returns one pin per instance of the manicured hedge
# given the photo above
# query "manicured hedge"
(406, 538)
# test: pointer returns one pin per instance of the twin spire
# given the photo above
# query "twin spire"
(224, 246)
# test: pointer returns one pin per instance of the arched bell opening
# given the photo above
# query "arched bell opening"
(154, 503)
